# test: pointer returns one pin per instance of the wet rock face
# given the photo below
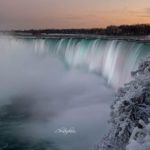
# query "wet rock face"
(132, 103)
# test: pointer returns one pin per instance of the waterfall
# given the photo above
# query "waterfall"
(47, 84)
(113, 59)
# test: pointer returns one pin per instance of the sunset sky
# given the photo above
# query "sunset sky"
(29, 14)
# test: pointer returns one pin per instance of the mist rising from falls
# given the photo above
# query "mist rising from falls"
(46, 84)
(113, 59)
(40, 94)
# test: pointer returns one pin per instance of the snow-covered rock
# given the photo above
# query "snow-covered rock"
(140, 137)
(130, 111)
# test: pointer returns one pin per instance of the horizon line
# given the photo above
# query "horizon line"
(102, 28)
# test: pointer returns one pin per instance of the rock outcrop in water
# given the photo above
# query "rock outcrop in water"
(131, 106)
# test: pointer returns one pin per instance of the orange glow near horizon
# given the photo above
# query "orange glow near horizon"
(29, 14)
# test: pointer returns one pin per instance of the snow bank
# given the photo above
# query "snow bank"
(140, 137)
(129, 112)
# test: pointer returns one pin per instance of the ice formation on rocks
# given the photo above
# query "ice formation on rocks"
(129, 112)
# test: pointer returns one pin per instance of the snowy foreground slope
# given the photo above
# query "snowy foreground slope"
(130, 114)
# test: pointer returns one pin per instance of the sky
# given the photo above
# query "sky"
(39, 14)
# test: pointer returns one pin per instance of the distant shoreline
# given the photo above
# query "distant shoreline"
(142, 38)
(139, 32)
(122, 30)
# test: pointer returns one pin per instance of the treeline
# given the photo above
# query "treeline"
(123, 30)
(142, 29)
